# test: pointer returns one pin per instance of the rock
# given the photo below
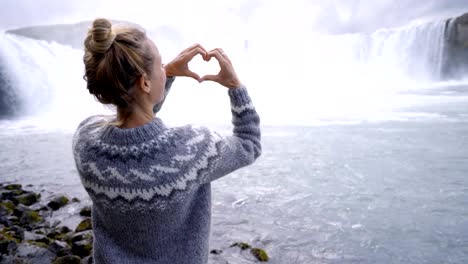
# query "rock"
(57, 246)
(13, 187)
(8, 205)
(260, 254)
(58, 202)
(75, 200)
(7, 247)
(241, 245)
(87, 260)
(11, 195)
(17, 232)
(86, 211)
(33, 253)
(30, 217)
(64, 252)
(67, 260)
(84, 235)
(82, 248)
(84, 225)
(216, 251)
(27, 198)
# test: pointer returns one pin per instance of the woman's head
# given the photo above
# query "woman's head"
(123, 67)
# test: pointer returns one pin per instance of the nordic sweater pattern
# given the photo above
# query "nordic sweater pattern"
(150, 185)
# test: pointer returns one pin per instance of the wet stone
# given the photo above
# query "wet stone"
(67, 260)
(58, 202)
(86, 211)
(84, 225)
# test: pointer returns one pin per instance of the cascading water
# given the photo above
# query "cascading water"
(351, 76)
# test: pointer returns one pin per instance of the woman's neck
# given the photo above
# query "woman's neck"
(137, 118)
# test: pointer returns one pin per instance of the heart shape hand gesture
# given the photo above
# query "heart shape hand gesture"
(226, 76)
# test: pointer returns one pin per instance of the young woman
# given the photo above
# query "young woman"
(149, 183)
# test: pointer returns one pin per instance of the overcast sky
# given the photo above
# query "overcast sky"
(327, 15)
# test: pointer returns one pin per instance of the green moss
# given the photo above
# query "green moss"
(27, 198)
(260, 254)
(58, 202)
(9, 205)
(37, 243)
(13, 187)
(241, 245)
(84, 225)
(31, 217)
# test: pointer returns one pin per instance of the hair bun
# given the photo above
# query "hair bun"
(100, 36)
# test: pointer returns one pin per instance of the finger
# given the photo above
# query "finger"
(213, 78)
(194, 52)
(192, 75)
(217, 54)
(224, 55)
(192, 47)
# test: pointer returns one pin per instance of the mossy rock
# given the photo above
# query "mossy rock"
(86, 211)
(79, 236)
(36, 243)
(58, 202)
(82, 248)
(84, 225)
(27, 198)
(260, 254)
(11, 195)
(30, 217)
(8, 205)
(7, 246)
(58, 246)
(67, 260)
(13, 187)
(241, 245)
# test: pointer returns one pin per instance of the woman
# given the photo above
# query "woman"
(150, 184)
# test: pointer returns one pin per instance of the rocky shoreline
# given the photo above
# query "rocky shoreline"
(30, 234)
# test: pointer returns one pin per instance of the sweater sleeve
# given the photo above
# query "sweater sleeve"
(167, 88)
(243, 147)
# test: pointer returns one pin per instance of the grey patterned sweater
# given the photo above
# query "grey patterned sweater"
(150, 185)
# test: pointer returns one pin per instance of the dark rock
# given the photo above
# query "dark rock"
(86, 211)
(8, 205)
(60, 233)
(64, 252)
(16, 232)
(216, 251)
(260, 254)
(84, 235)
(7, 247)
(87, 260)
(82, 248)
(13, 187)
(241, 245)
(30, 217)
(84, 225)
(27, 198)
(57, 246)
(58, 202)
(11, 195)
(67, 260)
(75, 200)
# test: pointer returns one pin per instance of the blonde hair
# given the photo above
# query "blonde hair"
(115, 58)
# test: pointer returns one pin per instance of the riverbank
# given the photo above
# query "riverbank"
(30, 231)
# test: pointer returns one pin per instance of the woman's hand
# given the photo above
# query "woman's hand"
(179, 65)
(227, 75)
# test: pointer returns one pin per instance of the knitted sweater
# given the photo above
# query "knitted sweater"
(150, 185)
